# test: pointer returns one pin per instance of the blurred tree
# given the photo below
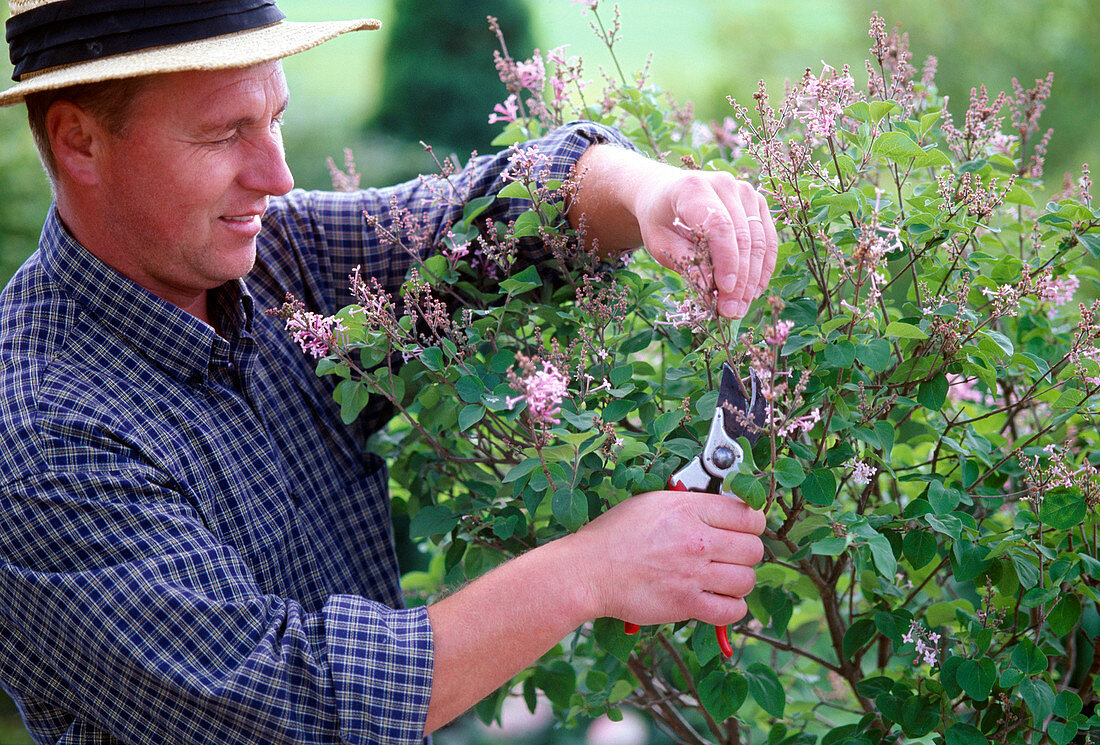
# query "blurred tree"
(439, 84)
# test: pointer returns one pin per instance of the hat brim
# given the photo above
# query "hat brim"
(242, 49)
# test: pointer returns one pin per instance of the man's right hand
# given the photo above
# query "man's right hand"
(658, 557)
(668, 556)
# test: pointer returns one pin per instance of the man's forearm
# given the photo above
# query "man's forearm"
(609, 177)
(500, 624)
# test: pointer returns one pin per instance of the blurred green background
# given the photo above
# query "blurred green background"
(703, 50)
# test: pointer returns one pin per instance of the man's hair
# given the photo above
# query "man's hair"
(109, 102)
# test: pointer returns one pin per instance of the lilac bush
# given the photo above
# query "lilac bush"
(927, 464)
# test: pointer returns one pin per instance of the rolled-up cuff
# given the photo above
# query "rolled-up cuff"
(381, 661)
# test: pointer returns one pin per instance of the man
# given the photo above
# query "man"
(193, 548)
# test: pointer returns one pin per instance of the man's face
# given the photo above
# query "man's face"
(186, 182)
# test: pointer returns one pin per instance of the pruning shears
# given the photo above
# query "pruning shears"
(739, 411)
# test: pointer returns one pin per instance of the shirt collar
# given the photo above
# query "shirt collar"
(167, 335)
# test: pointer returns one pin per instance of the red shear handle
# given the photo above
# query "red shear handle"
(633, 628)
(723, 641)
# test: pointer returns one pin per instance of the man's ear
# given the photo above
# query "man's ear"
(75, 138)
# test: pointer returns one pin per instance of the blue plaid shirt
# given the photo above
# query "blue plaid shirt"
(193, 547)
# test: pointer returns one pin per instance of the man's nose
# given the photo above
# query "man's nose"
(267, 170)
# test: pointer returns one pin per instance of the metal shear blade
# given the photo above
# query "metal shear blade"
(739, 412)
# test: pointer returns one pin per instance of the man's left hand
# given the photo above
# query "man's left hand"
(707, 225)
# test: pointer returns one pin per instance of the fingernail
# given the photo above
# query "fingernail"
(728, 308)
(727, 282)
(742, 309)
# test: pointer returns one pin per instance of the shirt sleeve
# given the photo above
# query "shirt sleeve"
(313, 240)
(143, 625)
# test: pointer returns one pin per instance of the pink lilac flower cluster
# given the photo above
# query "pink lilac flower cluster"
(542, 389)
(726, 134)
(1059, 471)
(862, 473)
(526, 82)
(316, 334)
(926, 642)
(865, 268)
(777, 334)
(1084, 354)
(344, 180)
(691, 314)
(1056, 291)
(821, 100)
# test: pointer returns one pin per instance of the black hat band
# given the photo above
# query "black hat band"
(61, 33)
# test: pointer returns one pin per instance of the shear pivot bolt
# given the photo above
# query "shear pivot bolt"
(723, 457)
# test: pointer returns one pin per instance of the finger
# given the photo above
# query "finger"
(731, 259)
(703, 214)
(731, 580)
(719, 610)
(771, 245)
(757, 244)
(727, 512)
(736, 548)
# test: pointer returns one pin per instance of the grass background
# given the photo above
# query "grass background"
(703, 50)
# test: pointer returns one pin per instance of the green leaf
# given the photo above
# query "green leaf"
(637, 343)
(470, 388)
(521, 469)
(469, 416)
(896, 146)
(789, 473)
(750, 489)
(1067, 705)
(779, 606)
(876, 354)
(432, 520)
(1038, 697)
(1064, 615)
(665, 423)
(617, 409)
(352, 395)
(1063, 509)
(830, 546)
(526, 280)
(931, 394)
(1001, 341)
(558, 680)
(515, 190)
(570, 508)
(965, 734)
(840, 353)
(902, 330)
(885, 432)
(819, 487)
(1071, 398)
(1091, 242)
(857, 635)
(919, 547)
(883, 555)
(722, 692)
(931, 158)
(432, 358)
(475, 207)
(1029, 658)
(1062, 733)
(612, 637)
(977, 678)
(526, 225)
(766, 689)
(942, 499)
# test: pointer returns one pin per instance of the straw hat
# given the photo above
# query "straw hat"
(58, 43)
